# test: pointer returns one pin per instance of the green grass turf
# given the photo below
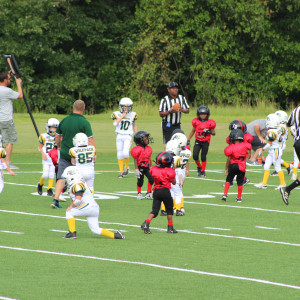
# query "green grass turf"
(221, 239)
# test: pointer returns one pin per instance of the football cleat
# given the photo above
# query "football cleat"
(294, 176)
(274, 174)
(198, 171)
(163, 213)
(145, 227)
(119, 235)
(70, 235)
(171, 229)
(182, 210)
(179, 213)
(40, 189)
(246, 180)
(55, 204)
(149, 196)
(125, 173)
(50, 193)
(121, 175)
(260, 186)
(139, 196)
(224, 197)
(289, 169)
(238, 200)
(279, 187)
(285, 195)
(202, 174)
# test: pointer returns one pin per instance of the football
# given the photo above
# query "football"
(176, 106)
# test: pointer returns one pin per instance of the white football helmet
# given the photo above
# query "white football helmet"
(51, 123)
(272, 121)
(173, 147)
(282, 115)
(125, 102)
(72, 174)
(80, 140)
(185, 153)
(180, 138)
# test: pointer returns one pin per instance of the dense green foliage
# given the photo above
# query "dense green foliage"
(228, 52)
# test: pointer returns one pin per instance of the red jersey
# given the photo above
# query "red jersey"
(54, 156)
(238, 154)
(143, 155)
(248, 138)
(199, 126)
(162, 177)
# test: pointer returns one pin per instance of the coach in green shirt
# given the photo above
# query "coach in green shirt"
(65, 132)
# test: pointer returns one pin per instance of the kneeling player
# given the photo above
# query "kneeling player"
(83, 205)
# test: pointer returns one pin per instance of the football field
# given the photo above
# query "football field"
(223, 250)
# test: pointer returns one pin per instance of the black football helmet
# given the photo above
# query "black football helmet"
(139, 138)
(164, 159)
(203, 110)
(236, 135)
(238, 124)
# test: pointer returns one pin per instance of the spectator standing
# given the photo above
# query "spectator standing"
(170, 112)
(66, 131)
(7, 125)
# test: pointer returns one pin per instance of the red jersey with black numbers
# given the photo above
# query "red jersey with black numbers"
(162, 177)
(199, 126)
(142, 155)
(54, 156)
(238, 154)
(248, 138)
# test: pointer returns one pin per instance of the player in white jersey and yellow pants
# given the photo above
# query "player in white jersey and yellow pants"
(83, 205)
(83, 156)
(47, 141)
(124, 121)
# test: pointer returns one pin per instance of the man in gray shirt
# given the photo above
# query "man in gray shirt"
(7, 125)
(258, 130)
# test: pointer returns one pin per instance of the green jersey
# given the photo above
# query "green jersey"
(68, 128)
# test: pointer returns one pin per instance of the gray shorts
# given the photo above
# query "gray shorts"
(256, 143)
(9, 132)
(62, 165)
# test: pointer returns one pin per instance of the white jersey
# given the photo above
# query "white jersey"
(276, 139)
(125, 126)
(47, 141)
(87, 197)
(84, 156)
(185, 156)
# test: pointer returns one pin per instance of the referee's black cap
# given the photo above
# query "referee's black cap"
(172, 84)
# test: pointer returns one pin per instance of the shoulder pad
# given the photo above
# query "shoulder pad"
(42, 139)
(78, 187)
(2, 153)
(72, 153)
(177, 161)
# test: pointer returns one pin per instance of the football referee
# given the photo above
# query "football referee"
(294, 119)
(171, 116)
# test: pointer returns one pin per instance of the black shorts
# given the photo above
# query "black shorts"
(159, 196)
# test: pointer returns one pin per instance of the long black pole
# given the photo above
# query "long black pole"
(12, 65)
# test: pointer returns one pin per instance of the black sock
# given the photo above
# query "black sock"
(293, 186)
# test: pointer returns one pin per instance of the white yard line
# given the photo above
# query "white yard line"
(155, 266)
(7, 231)
(270, 228)
(214, 228)
(161, 229)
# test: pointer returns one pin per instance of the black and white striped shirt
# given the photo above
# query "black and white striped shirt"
(166, 104)
(294, 119)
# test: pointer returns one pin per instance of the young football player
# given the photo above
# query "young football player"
(124, 121)
(275, 151)
(163, 175)
(238, 151)
(141, 154)
(296, 160)
(284, 136)
(248, 138)
(3, 165)
(83, 205)
(203, 128)
(47, 141)
(83, 156)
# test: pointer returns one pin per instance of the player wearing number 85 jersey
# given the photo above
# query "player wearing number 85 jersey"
(83, 156)
(124, 121)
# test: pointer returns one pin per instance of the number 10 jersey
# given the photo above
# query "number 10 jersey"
(125, 126)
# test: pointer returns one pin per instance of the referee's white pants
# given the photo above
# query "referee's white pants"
(1, 181)
(91, 212)
(273, 158)
(123, 143)
(296, 160)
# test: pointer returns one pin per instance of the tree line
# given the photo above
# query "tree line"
(221, 52)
